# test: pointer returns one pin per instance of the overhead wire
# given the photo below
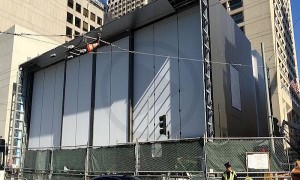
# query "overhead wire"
(25, 35)
(144, 53)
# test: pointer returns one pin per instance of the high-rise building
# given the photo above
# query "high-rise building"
(121, 7)
(270, 22)
(70, 17)
(46, 19)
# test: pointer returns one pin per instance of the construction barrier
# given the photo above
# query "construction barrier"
(188, 158)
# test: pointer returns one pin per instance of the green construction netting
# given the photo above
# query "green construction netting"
(67, 177)
(113, 159)
(171, 156)
(69, 160)
(37, 160)
(219, 152)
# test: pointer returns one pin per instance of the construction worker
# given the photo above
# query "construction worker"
(296, 171)
(229, 174)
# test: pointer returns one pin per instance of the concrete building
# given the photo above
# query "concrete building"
(41, 18)
(270, 22)
(52, 17)
(119, 8)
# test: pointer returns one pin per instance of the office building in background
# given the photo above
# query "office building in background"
(270, 22)
(119, 8)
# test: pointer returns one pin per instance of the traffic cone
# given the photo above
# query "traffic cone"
(91, 47)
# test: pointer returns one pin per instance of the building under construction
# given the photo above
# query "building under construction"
(153, 84)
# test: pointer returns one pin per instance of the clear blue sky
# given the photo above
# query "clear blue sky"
(296, 17)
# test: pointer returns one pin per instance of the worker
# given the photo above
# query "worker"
(296, 171)
(229, 174)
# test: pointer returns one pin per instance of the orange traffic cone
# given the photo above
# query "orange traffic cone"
(91, 47)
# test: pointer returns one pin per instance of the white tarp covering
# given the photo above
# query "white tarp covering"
(76, 119)
(46, 113)
(111, 97)
(169, 86)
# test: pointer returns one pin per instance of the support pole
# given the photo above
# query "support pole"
(267, 85)
(270, 116)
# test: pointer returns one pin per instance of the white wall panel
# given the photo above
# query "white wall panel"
(191, 76)
(36, 110)
(119, 94)
(58, 104)
(45, 123)
(143, 113)
(84, 100)
(77, 101)
(101, 132)
(47, 107)
(166, 76)
(111, 98)
(178, 84)
(71, 103)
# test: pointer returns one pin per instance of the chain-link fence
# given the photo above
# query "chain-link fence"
(190, 158)
(178, 158)
(234, 150)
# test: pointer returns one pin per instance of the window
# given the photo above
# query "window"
(69, 17)
(242, 28)
(77, 22)
(78, 7)
(238, 17)
(77, 33)
(85, 12)
(93, 17)
(85, 26)
(2, 153)
(69, 32)
(99, 20)
(70, 3)
(225, 5)
(92, 27)
(235, 4)
(235, 88)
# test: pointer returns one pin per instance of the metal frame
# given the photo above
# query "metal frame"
(207, 68)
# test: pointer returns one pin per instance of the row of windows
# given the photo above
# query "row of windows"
(77, 22)
(124, 2)
(69, 31)
(233, 4)
(85, 13)
(238, 17)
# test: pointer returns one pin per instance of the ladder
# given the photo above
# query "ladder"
(17, 136)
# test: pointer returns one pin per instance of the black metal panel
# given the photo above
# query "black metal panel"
(180, 5)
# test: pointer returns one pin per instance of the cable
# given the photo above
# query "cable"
(25, 35)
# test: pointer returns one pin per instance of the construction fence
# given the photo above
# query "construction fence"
(190, 158)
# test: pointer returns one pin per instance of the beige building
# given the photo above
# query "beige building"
(119, 8)
(270, 22)
(47, 19)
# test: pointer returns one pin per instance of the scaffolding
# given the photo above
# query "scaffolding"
(17, 130)
(207, 68)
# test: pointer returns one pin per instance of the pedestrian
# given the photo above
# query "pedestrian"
(229, 174)
(296, 171)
